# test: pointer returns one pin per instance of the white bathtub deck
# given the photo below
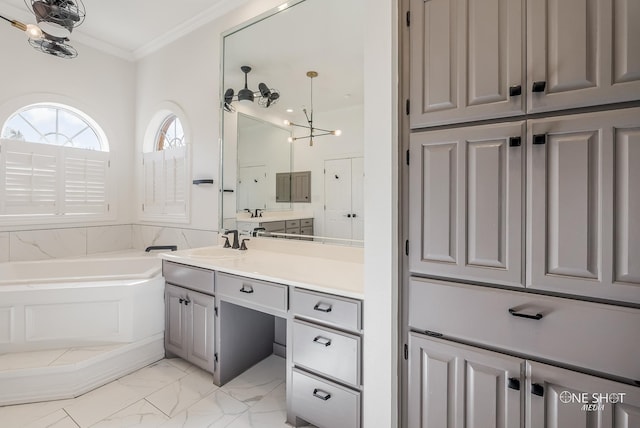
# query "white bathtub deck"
(53, 357)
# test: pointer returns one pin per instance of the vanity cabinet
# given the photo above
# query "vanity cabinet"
(297, 226)
(326, 359)
(492, 389)
(190, 314)
(467, 59)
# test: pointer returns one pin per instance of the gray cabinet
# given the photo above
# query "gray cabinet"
(189, 329)
(293, 186)
(455, 386)
(584, 205)
(326, 356)
(190, 314)
(466, 210)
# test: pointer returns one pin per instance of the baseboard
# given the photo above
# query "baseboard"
(280, 350)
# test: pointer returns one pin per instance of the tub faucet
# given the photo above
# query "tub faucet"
(256, 230)
(235, 245)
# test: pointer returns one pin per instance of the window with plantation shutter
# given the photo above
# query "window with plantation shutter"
(54, 161)
(165, 174)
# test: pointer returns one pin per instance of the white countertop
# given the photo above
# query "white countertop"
(314, 266)
(281, 217)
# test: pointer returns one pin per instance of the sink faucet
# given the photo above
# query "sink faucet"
(249, 211)
(258, 211)
(235, 245)
(258, 229)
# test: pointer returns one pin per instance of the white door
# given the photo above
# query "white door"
(337, 198)
(457, 386)
(344, 198)
(252, 188)
(555, 399)
(586, 52)
(465, 210)
(584, 205)
(466, 60)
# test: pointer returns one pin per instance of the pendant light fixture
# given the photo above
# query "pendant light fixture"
(267, 97)
(313, 130)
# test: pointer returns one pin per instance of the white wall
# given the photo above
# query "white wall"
(99, 84)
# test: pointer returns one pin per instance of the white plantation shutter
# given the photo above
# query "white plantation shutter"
(175, 173)
(85, 179)
(153, 202)
(41, 179)
(29, 180)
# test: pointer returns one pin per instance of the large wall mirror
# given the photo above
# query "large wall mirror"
(272, 176)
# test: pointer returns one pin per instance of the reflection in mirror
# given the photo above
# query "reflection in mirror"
(325, 36)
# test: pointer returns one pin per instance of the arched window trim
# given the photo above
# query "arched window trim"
(165, 189)
(75, 186)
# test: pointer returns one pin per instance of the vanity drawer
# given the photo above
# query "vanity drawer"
(258, 293)
(292, 224)
(273, 226)
(188, 276)
(306, 222)
(508, 320)
(338, 311)
(327, 351)
(324, 403)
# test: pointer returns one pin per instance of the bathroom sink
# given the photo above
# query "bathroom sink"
(214, 253)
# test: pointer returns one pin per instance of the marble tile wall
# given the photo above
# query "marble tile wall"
(43, 244)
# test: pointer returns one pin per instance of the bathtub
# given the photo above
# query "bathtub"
(70, 304)
(64, 303)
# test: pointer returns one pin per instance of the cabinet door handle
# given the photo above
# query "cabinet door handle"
(540, 139)
(323, 395)
(539, 86)
(537, 389)
(246, 289)
(517, 313)
(322, 341)
(181, 300)
(515, 90)
(187, 301)
(349, 215)
(514, 383)
(322, 307)
(515, 141)
(353, 215)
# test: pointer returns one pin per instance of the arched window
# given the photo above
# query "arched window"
(54, 162)
(165, 165)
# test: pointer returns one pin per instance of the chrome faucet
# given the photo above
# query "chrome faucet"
(235, 245)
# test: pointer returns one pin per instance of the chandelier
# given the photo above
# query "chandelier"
(266, 97)
(313, 131)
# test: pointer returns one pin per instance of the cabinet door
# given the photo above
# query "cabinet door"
(465, 208)
(301, 186)
(201, 343)
(583, 233)
(456, 386)
(465, 56)
(587, 52)
(564, 398)
(175, 335)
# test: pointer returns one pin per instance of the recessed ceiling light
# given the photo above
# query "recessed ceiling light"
(289, 110)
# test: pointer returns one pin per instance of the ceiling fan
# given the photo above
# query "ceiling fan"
(55, 19)
(266, 97)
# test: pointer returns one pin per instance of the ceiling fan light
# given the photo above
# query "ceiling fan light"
(34, 32)
(287, 122)
(245, 95)
(290, 139)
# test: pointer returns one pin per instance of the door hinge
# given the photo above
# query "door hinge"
(142, 207)
(408, 18)
(109, 164)
(215, 357)
(406, 352)
(406, 247)
(407, 107)
(408, 156)
(215, 311)
(108, 207)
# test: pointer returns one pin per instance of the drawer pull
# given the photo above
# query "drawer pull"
(246, 289)
(516, 313)
(322, 341)
(514, 383)
(322, 307)
(323, 395)
(537, 389)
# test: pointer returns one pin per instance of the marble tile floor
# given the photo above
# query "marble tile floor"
(169, 393)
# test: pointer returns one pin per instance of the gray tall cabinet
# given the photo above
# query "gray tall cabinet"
(522, 296)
